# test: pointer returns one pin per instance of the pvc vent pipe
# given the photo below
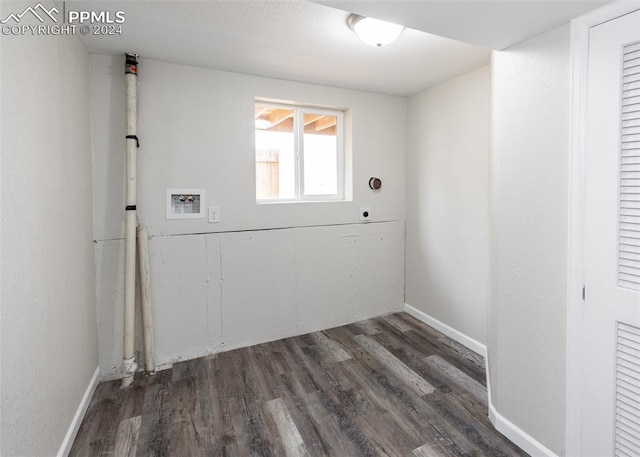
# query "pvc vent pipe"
(145, 294)
(129, 365)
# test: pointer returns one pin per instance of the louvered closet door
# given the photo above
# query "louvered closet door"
(629, 271)
(627, 408)
(610, 389)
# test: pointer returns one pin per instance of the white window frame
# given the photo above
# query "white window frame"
(298, 146)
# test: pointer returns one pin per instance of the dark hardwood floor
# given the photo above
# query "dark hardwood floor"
(387, 386)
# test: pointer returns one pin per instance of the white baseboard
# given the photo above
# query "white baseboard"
(65, 448)
(451, 332)
(517, 435)
(501, 424)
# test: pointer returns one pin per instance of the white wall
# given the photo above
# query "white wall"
(196, 130)
(220, 286)
(47, 315)
(529, 235)
(447, 245)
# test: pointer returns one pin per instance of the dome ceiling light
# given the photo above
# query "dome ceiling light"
(374, 32)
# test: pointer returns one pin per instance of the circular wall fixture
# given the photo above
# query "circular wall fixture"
(375, 183)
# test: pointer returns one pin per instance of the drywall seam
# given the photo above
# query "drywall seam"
(452, 333)
(259, 229)
(69, 438)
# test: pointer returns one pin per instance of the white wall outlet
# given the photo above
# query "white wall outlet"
(365, 214)
(214, 214)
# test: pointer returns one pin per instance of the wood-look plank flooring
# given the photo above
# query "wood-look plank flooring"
(389, 386)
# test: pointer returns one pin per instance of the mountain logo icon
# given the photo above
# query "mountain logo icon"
(39, 11)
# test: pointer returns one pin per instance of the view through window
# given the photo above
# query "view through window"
(299, 153)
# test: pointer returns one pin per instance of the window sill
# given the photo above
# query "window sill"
(297, 202)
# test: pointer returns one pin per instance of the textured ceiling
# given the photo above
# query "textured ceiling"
(495, 24)
(293, 40)
(311, 42)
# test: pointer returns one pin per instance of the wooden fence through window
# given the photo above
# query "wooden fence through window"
(267, 173)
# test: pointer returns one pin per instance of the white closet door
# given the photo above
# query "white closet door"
(610, 389)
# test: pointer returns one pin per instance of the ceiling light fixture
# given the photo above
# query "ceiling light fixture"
(374, 32)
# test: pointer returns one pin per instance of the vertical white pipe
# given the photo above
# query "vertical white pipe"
(145, 293)
(129, 365)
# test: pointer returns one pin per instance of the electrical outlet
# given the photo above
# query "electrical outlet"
(365, 214)
(214, 214)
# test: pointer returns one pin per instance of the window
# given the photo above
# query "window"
(299, 153)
